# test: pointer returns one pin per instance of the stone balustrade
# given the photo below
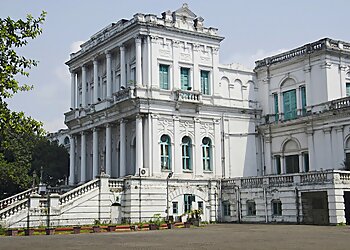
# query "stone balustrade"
(15, 198)
(114, 183)
(188, 96)
(283, 180)
(77, 192)
(254, 182)
(14, 209)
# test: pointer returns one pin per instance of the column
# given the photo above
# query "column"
(283, 165)
(197, 166)
(83, 86)
(340, 142)
(122, 67)
(310, 145)
(139, 144)
(149, 62)
(138, 62)
(73, 93)
(109, 74)
(215, 78)
(217, 165)
(83, 158)
(328, 148)
(298, 101)
(95, 153)
(109, 149)
(268, 163)
(196, 72)
(122, 149)
(95, 81)
(71, 160)
(301, 163)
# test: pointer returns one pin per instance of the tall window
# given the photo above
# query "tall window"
(205, 86)
(306, 162)
(290, 104)
(275, 102)
(303, 100)
(251, 209)
(348, 89)
(200, 205)
(278, 164)
(163, 76)
(292, 164)
(185, 78)
(206, 154)
(165, 152)
(186, 153)
(175, 207)
(188, 199)
(227, 208)
(276, 207)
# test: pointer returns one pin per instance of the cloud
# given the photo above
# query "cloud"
(53, 125)
(75, 46)
(62, 74)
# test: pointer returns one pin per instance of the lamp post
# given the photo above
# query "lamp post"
(167, 195)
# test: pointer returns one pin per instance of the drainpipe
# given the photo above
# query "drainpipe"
(223, 158)
(297, 204)
(238, 199)
(265, 201)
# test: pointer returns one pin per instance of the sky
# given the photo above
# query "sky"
(253, 29)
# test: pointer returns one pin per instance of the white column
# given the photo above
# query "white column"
(109, 149)
(71, 160)
(139, 144)
(109, 74)
(301, 165)
(340, 142)
(83, 158)
(95, 152)
(328, 147)
(197, 166)
(95, 80)
(196, 72)
(138, 62)
(122, 67)
(268, 163)
(217, 165)
(310, 145)
(298, 101)
(215, 73)
(83, 86)
(122, 149)
(73, 92)
(149, 62)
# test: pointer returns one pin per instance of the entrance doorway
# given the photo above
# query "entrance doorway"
(315, 208)
(347, 206)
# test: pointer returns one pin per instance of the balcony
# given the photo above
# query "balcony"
(188, 96)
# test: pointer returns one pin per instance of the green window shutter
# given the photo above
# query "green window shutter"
(185, 78)
(163, 76)
(205, 82)
(348, 89)
(290, 104)
(303, 100)
(275, 100)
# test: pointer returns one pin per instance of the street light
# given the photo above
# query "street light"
(167, 195)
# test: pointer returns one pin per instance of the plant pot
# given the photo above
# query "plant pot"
(50, 231)
(187, 225)
(133, 227)
(170, 225)
(11, 232)
(153, 227)
(196, 223)
(28, 232)
(111, 228)
(76, 230)
(96, 229)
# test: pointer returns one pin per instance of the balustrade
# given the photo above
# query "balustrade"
(7, 212)
(79, 191)
(112, 183)
(15, 198)
(281, 180)
(188, 96)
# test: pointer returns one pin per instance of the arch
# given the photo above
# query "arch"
(238, 82)
(207, 154)
(224, 79)
(347, 143)
(288, 81)
(290, 145)
(165, 152)
(188, 190)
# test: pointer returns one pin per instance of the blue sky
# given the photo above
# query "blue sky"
(253, 29)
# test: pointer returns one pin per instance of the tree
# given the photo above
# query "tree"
(18, 133)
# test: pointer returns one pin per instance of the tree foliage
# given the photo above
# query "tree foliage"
(18, 133)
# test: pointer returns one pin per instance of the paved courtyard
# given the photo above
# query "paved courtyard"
(223, 236)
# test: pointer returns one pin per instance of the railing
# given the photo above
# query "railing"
(79, 191)
(281, 180)
(252, 182)
(114, 183)
(340, 103)
(344, 176)
(317, 177)
(15, 198)
(7, 212)
(188, 96)
(123, 94)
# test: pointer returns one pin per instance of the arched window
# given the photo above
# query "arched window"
(347, 154)
(186, 153)
(66, 140)
(347, 86)
(291, 154)
(206, 154)
(165, 152)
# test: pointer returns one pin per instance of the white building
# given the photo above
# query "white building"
(150, 98)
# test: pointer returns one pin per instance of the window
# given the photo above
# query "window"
(303, 100)
(290, 104)
(348, 89)
(186, 153)
(185, 78)
(165, 152)
(188, 199)
(163, 76)
(276, 207)
(306, 162)
(175, 207)
(206, 154)
(227, 208)
(251, 209)
(278, 164)
(200, 205)
(275, 101)
(205, 86)
(292, 164)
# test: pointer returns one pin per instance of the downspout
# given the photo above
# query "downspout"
(265, 205)
(223, 158)
(238, 199)
(297, 204)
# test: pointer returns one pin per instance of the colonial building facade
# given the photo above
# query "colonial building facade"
(158, 125)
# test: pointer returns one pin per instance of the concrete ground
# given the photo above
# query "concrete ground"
(220, 236)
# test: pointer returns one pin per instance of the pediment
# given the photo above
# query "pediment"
(184, 11)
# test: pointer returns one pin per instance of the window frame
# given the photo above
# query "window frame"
(207, 155)
(175, 207)
(165, 152)
(186, 147)
(251, 208)
(161, 77)
(189, 85)
(226, 208)
(291, 113)
(205, 86)
(276, 207)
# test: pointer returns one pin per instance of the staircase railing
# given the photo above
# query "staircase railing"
(11, 210)
(79, 191)
(17, 197)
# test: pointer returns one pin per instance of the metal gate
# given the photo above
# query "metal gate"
(315, 208)
(347, 206)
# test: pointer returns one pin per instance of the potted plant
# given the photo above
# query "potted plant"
(111, 228)
(50, 230)
(11, 232)
(76, 229)
(155, 222)
(187, 224)
(28, 231)
(96, 227)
